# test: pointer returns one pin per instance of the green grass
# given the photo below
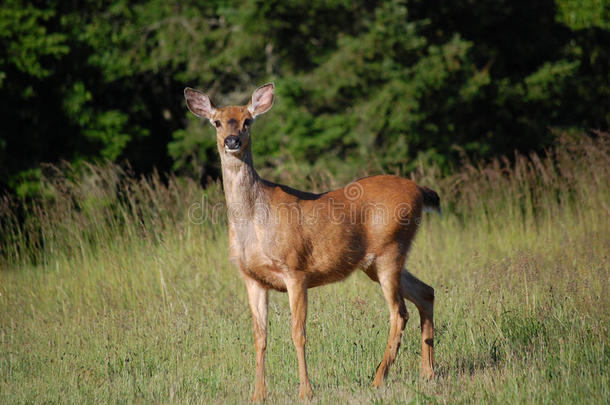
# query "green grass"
(110, 294)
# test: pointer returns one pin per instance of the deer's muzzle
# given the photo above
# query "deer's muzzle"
(232, 142)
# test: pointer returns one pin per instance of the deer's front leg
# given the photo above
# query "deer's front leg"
(258, 298)
(297, 294)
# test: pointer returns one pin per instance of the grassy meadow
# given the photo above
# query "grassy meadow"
(120, 290)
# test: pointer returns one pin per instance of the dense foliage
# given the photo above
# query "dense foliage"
(379, 85)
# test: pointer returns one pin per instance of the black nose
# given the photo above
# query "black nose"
(232, 142)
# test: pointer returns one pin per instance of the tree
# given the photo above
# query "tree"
(362, 86)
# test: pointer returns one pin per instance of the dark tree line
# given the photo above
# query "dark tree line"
(359, 83)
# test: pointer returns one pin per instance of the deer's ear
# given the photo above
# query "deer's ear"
(199, 103)
(262, 99)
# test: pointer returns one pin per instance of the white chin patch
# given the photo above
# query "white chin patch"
(232, 151)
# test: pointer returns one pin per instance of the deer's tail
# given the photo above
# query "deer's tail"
(432, 201)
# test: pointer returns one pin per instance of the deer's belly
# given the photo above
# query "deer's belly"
(267, 277)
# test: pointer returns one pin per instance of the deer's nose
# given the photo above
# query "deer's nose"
(232, 142)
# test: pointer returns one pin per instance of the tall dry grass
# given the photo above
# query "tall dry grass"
(95, 206)
(98, 204)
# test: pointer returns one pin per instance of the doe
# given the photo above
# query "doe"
(290, 240)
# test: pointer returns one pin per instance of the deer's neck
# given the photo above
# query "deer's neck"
(243, 187)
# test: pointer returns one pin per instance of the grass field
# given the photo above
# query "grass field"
(117, 290)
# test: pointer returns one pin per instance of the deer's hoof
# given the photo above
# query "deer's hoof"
(259, 396)
(377, 383)
(306, 392)
(427, 374)
(379, 376)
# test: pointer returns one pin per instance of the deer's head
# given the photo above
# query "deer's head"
(232, 123)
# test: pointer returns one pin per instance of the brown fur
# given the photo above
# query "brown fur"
(290, 240)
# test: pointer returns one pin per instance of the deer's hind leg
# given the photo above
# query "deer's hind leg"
(387, 270)
(422, 295)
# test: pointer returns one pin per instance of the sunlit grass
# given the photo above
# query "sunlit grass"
(111, 294)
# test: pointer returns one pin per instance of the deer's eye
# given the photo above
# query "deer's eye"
(247, 123)
(217, 124)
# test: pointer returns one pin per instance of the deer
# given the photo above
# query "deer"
(289, 240)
